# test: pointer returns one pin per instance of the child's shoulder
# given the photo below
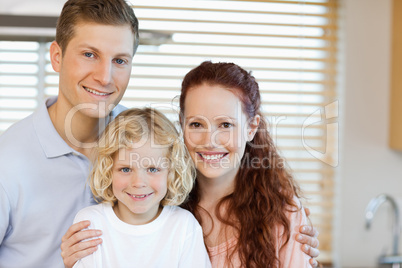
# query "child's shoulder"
(184, 215)
(91, 212)
(176, 210)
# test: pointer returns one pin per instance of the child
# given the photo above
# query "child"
(142, 171)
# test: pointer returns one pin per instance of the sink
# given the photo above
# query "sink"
(390, 261)
(394, 260)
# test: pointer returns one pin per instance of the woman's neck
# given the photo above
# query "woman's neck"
(212, 190)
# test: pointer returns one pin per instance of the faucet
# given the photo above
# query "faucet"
(372, 207)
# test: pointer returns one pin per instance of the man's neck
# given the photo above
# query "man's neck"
(80, 132)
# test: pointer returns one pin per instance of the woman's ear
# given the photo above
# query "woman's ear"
(55, 56)
(253, 127)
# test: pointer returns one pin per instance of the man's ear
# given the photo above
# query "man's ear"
(55, 56)
(253, 127)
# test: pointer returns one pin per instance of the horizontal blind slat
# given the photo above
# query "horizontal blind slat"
(325, 15)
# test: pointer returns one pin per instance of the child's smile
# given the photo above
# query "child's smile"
(139, 183)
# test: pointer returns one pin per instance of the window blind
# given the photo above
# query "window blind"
(289, 45)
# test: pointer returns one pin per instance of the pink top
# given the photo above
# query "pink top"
(290, 256)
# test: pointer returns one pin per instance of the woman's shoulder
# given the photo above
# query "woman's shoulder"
(296, 213)
(290, 253)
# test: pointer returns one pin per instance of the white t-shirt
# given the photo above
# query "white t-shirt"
(174, 239)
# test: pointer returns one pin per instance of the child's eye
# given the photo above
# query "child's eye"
(152, 170)
(125, 169)
(226, 125)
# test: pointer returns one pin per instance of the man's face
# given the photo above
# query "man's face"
(94, 68)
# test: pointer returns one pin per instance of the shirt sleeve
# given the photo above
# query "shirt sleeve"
(194, 252)
(5, 211)
(291, 255)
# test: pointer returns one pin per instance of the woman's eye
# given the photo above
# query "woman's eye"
(125, 170)
(153, 170)
(227, 125)
(195, 125)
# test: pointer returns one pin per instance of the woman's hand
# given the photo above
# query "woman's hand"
(308, 237)
(73, 248)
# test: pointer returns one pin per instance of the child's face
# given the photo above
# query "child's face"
(215, 131)
(139, 182)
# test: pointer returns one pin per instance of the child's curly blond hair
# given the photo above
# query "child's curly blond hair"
(129, 127)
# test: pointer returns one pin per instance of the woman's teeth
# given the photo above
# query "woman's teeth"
(212, 157)
(95, 92)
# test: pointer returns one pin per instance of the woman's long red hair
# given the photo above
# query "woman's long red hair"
(264, 189)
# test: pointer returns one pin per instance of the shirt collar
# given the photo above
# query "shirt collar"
(52, 144)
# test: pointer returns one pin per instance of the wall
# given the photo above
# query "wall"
(367, 166)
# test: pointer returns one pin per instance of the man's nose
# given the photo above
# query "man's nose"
(103, 72)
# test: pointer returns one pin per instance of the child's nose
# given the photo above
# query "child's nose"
(137, 180)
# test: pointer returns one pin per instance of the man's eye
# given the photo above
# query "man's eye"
(120, 61)
(125, 170)
(153, 170)
(89, 54)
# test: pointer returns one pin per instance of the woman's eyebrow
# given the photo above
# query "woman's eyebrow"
(195, 117)
(225, 117)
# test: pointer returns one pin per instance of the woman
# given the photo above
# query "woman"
(244, 198)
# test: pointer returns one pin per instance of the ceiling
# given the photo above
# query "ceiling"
(30, 7)
(12, 28)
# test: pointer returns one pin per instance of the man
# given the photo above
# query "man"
(44, 157)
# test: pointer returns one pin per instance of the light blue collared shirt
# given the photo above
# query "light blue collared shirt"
(43, 184)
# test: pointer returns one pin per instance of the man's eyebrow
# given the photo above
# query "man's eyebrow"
(127, 55)
(98, 51)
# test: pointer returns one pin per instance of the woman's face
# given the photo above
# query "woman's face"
(215, 131)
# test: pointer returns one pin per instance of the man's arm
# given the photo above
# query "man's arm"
(73, 248)
(308, 237)
(5, 211)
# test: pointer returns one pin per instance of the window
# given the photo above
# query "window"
(289, 45)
